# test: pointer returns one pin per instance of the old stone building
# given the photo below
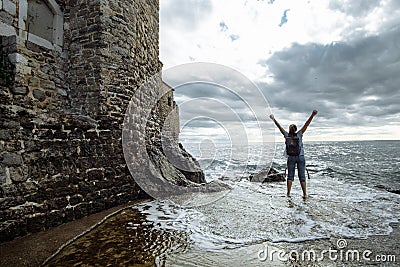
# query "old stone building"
(68, 72)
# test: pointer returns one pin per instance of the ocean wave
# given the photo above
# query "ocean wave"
(343, 202)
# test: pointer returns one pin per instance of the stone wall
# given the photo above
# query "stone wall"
(62, 114)
(7, 69)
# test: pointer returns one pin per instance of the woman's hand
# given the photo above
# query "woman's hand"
(272, 116)
(314, 112)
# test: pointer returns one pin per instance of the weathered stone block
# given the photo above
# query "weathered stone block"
(39, 94)
(94, 175)
(6, 17)
(63, 191)
(44, 134)
(96, 206)
(91, 135)
(46, 84)
(81, 210)
(54, 126)
(11, 124)
(87, 150)
(8, 202)
(84, 188)
(5, 134)
(27, 187)
(68, 214)
(27, 124)
(11, 229)
(75, 199)
(61, 92)
(34, 82)
(3, 177)
(76, 134)
(38, 196)
(9, 190)
(54, 218)
(36, 222)
(60, 135)
(57, 203)
(21, 90)
(12, 159)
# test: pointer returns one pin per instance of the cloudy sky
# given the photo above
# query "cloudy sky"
(341, 57)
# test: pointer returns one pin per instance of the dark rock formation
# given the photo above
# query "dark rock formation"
(189, 166)
(267, 175)
(175, 163)
(394, 191)
(172, 173)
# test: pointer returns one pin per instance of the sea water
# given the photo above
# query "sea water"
(348, 198)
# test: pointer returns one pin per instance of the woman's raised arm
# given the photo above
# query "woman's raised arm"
(304, 128)
(277, 124)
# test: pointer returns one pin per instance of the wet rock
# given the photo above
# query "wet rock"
(191, 167)
(164, 167)
(394, 190)
(267, 175)
(176, 164)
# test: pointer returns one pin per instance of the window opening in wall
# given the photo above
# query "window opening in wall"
(40, 19)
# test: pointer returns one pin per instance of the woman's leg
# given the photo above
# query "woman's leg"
(289, 186)
(301, 170)
(291, 162)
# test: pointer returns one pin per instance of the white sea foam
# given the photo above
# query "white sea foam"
(252, 213)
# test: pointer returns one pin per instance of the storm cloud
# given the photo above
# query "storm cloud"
(360, 78)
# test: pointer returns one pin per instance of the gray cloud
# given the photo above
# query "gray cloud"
(387, 10)
(214, 102)
(208, 93)
(355, 8)
(360, 78)
(187, 14)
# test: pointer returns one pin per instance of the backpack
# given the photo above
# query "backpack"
(292, 145)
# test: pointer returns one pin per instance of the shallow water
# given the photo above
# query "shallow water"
(346, 200)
